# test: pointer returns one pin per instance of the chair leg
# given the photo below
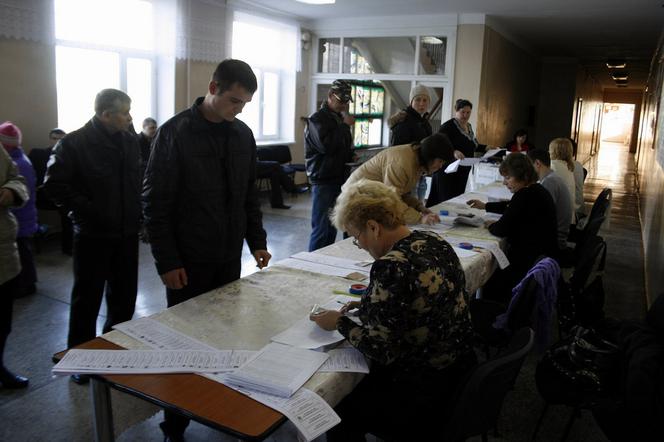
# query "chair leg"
(568, 427)
(539, 421)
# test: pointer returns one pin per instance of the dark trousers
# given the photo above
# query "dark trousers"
(323, 232)
(102, 262)
(397, 407)
(28, 276)
(201, 278)
(7, 293)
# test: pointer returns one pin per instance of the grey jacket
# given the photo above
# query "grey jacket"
(10, 266)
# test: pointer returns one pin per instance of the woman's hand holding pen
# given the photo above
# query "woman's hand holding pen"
(326, 319)
(351, 305)
(476, 204)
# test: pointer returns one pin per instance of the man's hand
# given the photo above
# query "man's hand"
(459, 155)
(175, 279)
(327, 320)
(6, 197)
(262, 258)
(429, 218)
(476, 204)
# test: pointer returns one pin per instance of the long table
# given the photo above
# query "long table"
(245, 314)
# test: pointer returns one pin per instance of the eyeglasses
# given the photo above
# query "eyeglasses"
(356, 241)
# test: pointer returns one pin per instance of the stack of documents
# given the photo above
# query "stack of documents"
(142, 361)
(277, 369)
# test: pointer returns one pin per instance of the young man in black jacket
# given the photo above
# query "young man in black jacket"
(328, 147)
(93, 174)
(199, 196)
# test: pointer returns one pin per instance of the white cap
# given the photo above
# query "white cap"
(418, 90)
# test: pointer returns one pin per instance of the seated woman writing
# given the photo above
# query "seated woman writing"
(415, 326)
(401, 167)
(528, 223)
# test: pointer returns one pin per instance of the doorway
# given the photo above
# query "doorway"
(617, 123)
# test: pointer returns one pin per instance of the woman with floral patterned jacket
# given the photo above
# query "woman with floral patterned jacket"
(414, 322)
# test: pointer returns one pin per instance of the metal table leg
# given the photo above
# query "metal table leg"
(100, 393)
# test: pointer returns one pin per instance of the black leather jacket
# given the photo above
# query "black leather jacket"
(95, 177)
(327, 147)
(199, 194)
(412, 129)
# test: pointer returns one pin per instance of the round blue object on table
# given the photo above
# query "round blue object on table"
(466, 245)
(357, 289)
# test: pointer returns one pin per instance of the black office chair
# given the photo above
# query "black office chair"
(480, 400)
(592, 224)
(282, 155)
(581, 300)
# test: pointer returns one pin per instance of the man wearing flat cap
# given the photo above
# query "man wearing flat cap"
(328, 148)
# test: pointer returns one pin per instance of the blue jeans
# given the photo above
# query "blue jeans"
(323, 232)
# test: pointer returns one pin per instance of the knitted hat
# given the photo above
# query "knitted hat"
(10, 134)
(418, 90)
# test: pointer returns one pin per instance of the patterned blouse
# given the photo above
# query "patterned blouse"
(414, 313)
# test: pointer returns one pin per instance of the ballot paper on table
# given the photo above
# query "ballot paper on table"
(307, 334)
(162, 337)
(310, 414)
(346, 359)
(463, 253)
(469, 161)
(319, 258)
(324, 269)
(142, 361)
(277, 369)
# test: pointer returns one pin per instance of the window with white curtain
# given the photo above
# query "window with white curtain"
(103, 44)
(270, 48)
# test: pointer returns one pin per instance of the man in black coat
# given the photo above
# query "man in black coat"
(199, 196)
(328, 148)
(94, 175)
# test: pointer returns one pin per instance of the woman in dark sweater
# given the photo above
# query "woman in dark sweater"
(460, 132)
(528, 223)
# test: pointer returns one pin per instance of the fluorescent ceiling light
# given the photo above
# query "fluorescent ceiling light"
(616, 64)
(432, 40)
(317, 2)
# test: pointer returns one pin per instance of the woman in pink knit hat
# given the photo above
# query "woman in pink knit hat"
(11, 137)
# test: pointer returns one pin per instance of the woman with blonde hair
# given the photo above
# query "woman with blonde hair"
(414, 321)
(562, 162)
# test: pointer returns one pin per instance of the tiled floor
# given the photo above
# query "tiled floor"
(55, 409)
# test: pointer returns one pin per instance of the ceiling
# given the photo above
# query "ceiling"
(589, 30)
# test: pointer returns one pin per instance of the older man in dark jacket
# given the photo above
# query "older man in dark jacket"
(94, 175)
(328, 147)
(199, 196)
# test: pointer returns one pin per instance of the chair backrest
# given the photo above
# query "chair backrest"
(481, 398)
(280, 154)
(601, 204)
(586, 286)
(521, 313)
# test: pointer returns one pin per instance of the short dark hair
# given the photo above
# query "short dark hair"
(540, 154)
(231, 71)
(149, 120)
(461, 103)
(520, 133)
(56, 131)
(519, 167)
(436, 146)
(110, 100)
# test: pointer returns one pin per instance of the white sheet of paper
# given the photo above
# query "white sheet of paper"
(159, 336)
(348, 359)
(310, 414)
(469, 161)
(323, 269)
(278, 369)
(452, 167)
(319, 258)
(307, 334)
(143, 361)
(491, 152)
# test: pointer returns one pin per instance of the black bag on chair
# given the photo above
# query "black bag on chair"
(580, 369)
